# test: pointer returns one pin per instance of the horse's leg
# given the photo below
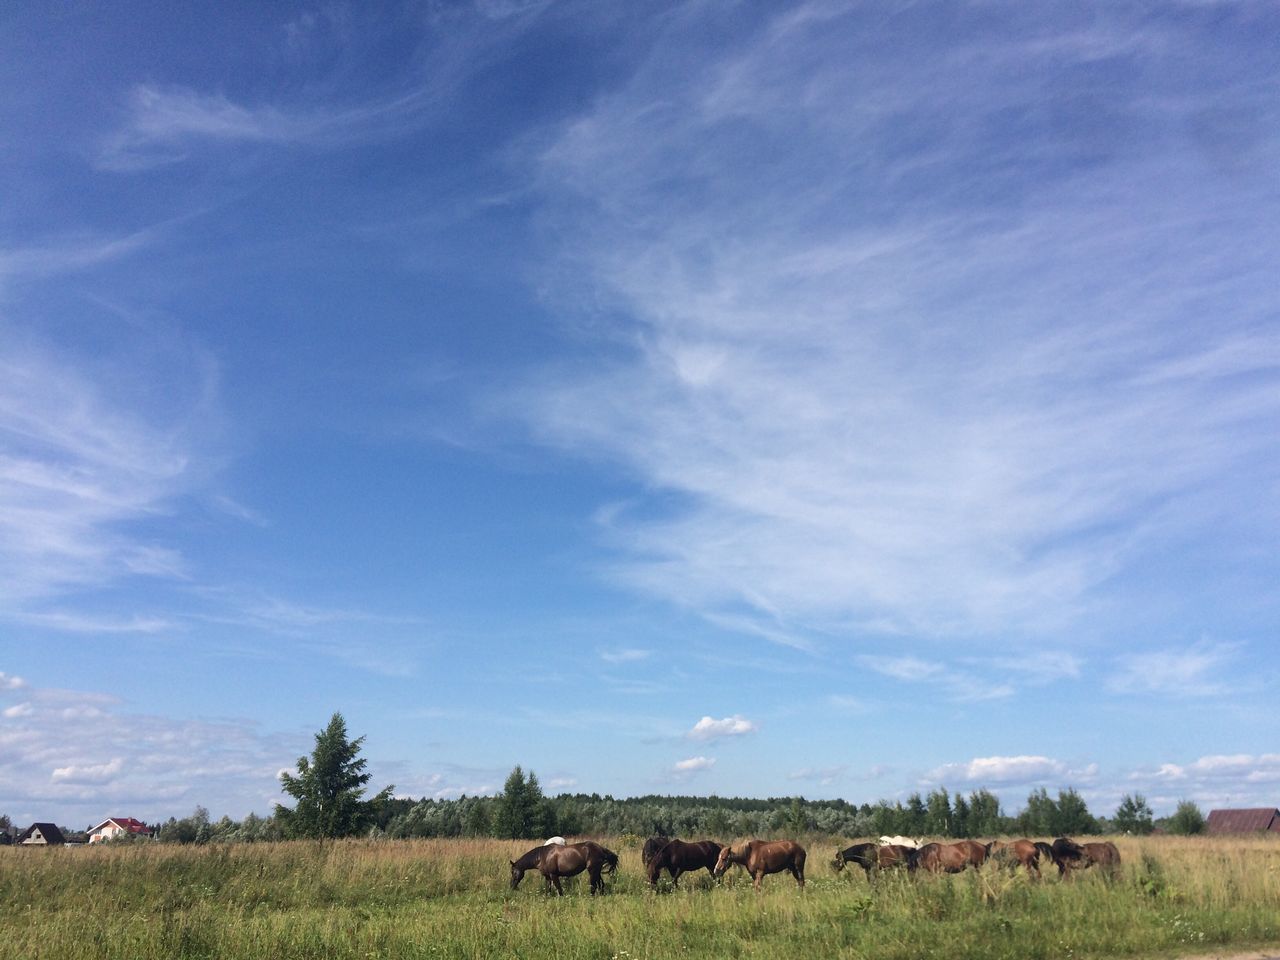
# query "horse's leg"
(758, 876)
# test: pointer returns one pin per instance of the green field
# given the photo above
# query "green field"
(451, 898)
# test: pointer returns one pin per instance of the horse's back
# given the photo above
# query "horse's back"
(777, 854)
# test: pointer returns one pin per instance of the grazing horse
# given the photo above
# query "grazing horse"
(1016, 853)
(678, 857)
(895, 855)
(1104, 854)
(554, 861)
(870, 856)
(949, 857)
(865, 855)
(652, 846)
(762, 857)
(1067, 854)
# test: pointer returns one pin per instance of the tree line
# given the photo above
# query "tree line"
(329, 789)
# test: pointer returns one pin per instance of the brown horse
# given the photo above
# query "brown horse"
(1105, 855)
(949, 857)
(556, 861)
(678, 857)
(1016, 853)
(871, 856)
(1069, 855)
(762, 857)
(652, 846)
(865, 855)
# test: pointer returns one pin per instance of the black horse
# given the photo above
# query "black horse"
(678, 857)
(568, 860)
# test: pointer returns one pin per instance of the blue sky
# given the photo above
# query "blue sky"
(837, 399)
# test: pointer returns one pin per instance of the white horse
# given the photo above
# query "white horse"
(901, 841)
(560, 840)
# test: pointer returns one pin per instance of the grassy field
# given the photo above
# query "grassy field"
(445, 898)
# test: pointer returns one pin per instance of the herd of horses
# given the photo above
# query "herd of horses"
(557, 859)
(1063, 853)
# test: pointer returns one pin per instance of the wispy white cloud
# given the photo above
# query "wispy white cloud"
(710, 729)
(1010, 771)
(53, 257)
(80, 464)
(822, 775)
(164, 124)
(694, 764)
(1198, 671)
(943, 370)
(625, 655)
(956, 683)
(168, 123)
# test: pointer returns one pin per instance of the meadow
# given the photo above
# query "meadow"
(451, 898)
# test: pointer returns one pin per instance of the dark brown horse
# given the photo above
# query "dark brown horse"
(1016, 853)
(1069, 855)
(762, 857)
(949, 857)
(873, 856)
(678, 857)
(865, 855)
(652, 846)
(1104, 854)
(556, 861)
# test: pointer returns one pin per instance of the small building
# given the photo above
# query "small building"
(1256, 820)
(42, 835)
(114, 827)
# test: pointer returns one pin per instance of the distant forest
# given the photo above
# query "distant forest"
(522, 811)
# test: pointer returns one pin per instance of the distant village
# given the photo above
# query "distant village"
(51, 835)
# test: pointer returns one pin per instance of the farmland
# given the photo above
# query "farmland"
(451, 898)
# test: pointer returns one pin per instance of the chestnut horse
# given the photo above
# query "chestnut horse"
(556, 861)
(949, 857)
(762, 857)
(678, 857)
(1016, 853)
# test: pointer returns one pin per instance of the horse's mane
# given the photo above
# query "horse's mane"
(527, 861)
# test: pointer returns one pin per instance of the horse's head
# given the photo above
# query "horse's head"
(723, 861)
(838, 863)
(517, 874)
(653, 869)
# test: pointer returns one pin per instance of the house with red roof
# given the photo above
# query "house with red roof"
(1256, 820)
(115, 827)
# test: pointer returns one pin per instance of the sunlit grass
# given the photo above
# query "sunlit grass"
(451, 898)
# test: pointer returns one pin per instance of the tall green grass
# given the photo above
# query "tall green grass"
(442, 898)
